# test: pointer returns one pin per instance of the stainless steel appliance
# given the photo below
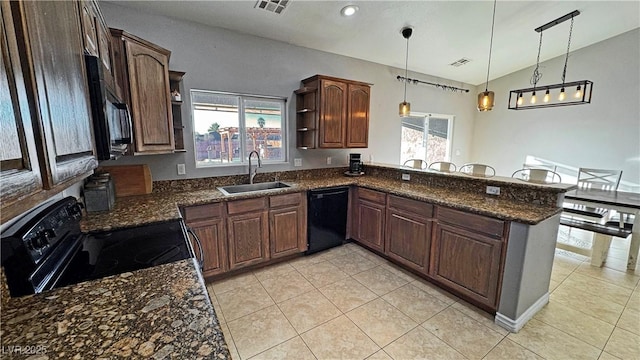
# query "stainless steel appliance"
(327, 218)
(45, 249)
(355, 164)
(111, 120)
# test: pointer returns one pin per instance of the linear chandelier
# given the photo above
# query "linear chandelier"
(439, 86)
(561, 94)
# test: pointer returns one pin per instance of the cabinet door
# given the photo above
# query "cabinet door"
(333, 114)
(369, 224)
(248, 239)
(51, 31)
(213, 239)
(358, 116)
(468, 263)
(20, 173)
(287, 231)
(89, 32)
(408, 239)
(150, 101)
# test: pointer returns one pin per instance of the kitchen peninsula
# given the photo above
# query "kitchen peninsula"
(168, 304)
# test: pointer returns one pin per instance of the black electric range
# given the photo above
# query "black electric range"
(45, 249)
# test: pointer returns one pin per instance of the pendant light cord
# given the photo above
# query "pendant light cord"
(493, 21)
(406, 69)
(536, 72)
(566, 59)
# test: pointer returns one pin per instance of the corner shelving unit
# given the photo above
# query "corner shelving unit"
(306, 119)
(175, 83)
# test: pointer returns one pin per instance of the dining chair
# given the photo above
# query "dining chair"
(600, 179)
(539, 176)
(540, 166)
(479, 170)
(443, 166)
(415, 163)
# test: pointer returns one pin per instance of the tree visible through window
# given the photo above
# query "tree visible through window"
(229, 126)
(431, 145)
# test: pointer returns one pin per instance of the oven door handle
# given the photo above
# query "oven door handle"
(201, 260)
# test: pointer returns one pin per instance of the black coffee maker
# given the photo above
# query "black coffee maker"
(355, 164)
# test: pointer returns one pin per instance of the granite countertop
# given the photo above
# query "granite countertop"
(156, 207)
(159, 312)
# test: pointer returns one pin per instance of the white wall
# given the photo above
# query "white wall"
(218, 59)
(604, 134)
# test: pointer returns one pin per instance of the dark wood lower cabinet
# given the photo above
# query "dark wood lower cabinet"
(369, 224)
(213, 240)
(248, 236)
(408, 239)
(467, 263)
(287, 231)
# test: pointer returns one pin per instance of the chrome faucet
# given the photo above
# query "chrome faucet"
(255, 171)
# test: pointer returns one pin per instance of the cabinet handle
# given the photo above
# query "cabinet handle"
(201, 260)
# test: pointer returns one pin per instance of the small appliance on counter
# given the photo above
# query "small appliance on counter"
(99, 193)
(355, 165)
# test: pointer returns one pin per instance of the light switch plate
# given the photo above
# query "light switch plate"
(297, 162)
(493, 190)
(181, 169)
(406, 177)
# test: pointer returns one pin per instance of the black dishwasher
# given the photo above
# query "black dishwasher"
(327, 218)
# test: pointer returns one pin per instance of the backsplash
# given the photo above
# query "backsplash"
(510, 189)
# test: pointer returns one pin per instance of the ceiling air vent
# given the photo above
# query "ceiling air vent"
(460, 62)
(275, 6)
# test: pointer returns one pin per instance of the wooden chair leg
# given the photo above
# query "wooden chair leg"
(600, 249)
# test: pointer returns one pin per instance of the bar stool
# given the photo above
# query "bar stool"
(539, 176)
(443, 166)
(478, 170)
(416, 164)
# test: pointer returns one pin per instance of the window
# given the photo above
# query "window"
(431, 145)
(227, 127)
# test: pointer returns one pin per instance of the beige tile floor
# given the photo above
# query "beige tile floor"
(348, 303)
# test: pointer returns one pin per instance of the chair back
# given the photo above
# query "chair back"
(480, 170)
(541, 176)
(443, 166)
(416, 163)
(599, 179)
(540, 166)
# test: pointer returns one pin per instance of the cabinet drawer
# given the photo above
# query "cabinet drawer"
(284, 200)
(202, 212)
(372, 195)
(416, 207)
(476, 223)
(242, 206)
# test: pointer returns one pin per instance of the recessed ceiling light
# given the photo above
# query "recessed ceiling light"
(349, 10)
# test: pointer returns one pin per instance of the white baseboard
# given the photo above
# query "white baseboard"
(517, 324)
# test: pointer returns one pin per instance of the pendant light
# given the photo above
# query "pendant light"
(405, 107)
(486, 98)
(566, 96)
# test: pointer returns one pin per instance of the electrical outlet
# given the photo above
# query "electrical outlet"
(297, 162)
(406, 177)
(328, 160)
(371, 158)
(493, 190)
(181, 169)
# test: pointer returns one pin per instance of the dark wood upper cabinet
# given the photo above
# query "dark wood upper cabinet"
(52, 59)
(96, 36)
(142, 72)
(358, 116)
(332, 113)
(19, 168)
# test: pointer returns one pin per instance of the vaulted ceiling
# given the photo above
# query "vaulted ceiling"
(444, 31)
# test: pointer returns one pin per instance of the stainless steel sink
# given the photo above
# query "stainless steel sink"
(247, 188)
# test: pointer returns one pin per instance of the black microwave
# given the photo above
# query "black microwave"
(111, 120)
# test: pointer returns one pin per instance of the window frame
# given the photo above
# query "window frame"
(242, 129)
(426, 116)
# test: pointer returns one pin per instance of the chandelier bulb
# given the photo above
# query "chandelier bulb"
(578, 92)
(546, 96)
(520, 99)
(533, 97)
(562, 95)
